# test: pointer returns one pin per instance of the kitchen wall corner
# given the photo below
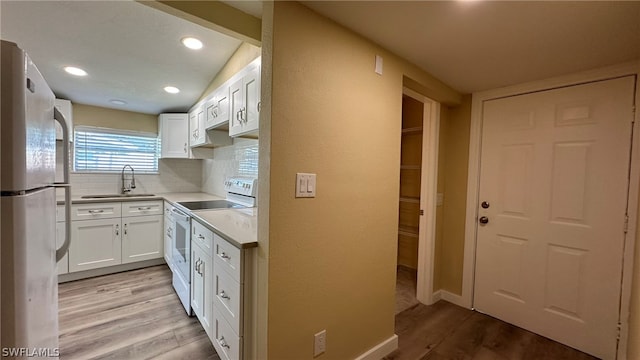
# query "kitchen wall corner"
(240, 159)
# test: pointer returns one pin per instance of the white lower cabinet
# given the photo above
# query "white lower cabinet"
(169, 229)
(201, 285)
(95, 244)
(101, 237)
(227, 343)
(217, 290)
(142, 238)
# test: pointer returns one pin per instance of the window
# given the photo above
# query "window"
(108, 150)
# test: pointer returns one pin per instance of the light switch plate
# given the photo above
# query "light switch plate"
(305, 185)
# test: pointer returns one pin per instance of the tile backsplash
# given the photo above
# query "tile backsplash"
(240, 159)
(175, 175)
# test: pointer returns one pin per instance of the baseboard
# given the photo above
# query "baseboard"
(448, 297)
(381, 350)
(108, 270)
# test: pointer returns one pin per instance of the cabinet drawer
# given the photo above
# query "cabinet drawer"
(96, 211)
(141, 208)
(60, 215)
(227, 297)
(202, 236)
(227, 343)
(227, 257)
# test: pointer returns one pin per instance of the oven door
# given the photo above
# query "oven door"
(181, 246)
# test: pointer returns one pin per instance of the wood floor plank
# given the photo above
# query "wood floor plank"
(440, 332)
(421, 328)
(130, 315)
(199, 349)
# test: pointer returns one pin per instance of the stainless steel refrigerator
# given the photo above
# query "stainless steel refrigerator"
(28, 254)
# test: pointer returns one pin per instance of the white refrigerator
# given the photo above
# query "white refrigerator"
(28, 254)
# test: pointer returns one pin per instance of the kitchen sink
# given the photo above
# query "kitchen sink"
(107, 196)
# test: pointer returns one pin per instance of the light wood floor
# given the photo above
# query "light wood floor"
(446, 331)
(137, 315)
(130, 315)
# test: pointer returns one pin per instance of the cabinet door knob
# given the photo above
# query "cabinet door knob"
(484, 220)
(259, 106)
(117, 229)
(224, 295)
(223, 343)
(125, 229)
(224, 255)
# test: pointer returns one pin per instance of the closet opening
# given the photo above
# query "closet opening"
(417, 200)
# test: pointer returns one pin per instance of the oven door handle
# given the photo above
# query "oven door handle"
(177, 213)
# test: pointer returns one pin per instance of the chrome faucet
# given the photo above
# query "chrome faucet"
(132, 183)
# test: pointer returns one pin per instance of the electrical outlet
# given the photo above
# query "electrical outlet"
(319, 343)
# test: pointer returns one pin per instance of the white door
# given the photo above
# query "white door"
(251, 84)
(175, 135)
(142, 238)
(236, 105)
(96, 244)
(554, 176)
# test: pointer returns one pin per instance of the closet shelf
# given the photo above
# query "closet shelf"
(411, 231)
(410, 199)
(413, 130)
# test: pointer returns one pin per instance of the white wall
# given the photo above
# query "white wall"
(240, 159)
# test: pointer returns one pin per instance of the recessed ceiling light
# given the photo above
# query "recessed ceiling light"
(118, 102)
(171, 89)
(75, 71)
(192, 43)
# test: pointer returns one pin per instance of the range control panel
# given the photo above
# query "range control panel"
(242, 186)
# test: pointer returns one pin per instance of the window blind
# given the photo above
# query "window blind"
(108, 150)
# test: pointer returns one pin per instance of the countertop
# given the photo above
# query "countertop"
(171, 197)
(238, 226)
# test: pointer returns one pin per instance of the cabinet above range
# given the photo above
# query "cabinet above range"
(231, 110)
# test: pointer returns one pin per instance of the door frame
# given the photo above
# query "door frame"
(473, 180)
(428, 195)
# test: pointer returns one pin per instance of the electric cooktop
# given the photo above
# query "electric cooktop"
(212, 204)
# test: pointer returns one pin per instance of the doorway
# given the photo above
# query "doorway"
(552, 208)
(417, 200)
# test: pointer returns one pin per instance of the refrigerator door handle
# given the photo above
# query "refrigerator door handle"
(60, 253)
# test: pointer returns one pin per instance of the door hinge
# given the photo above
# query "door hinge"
(421, 212)
(618, 331)
(626, 223)
(633, 114)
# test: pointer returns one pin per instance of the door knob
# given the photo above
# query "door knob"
(485, 205)
(483, 220)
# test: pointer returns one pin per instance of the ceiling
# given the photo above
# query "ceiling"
(480, 45)
(130, 52)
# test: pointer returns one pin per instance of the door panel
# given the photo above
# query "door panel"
(554, 169)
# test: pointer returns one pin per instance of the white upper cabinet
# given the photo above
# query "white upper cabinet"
(235, 105)
(174, 135)
(64, 106)
(197, 126)
(244, 96)
(217, 108)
